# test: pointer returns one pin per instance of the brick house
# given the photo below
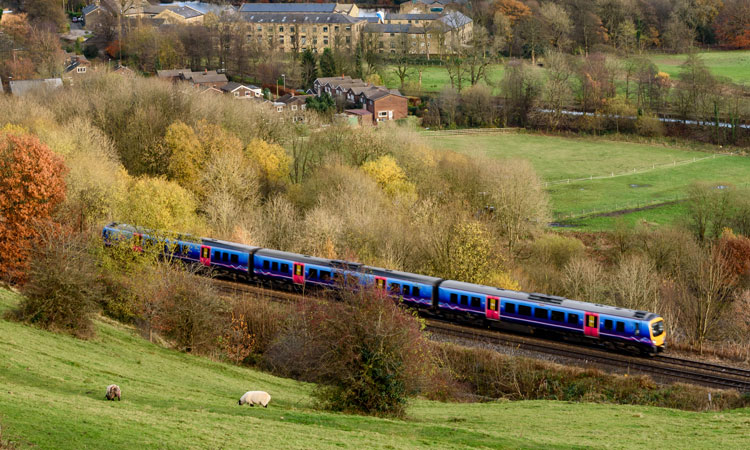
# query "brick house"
(78, 67)
(385, 105)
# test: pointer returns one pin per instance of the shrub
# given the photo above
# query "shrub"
(255, 324)
(556, 249)
(367, 353)
(649, 125)
(61, 291)
(184, 308)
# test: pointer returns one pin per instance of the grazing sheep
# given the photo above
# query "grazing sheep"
(253, 398)
(113, 391)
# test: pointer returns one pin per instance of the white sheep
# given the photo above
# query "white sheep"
(113, 391)
(253, 398)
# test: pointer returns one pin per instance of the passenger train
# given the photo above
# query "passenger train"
(615, 328)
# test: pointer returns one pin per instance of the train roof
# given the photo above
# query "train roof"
(226, 245)
(550, 300)
(307, 259)
(413, 277)
(217, 243)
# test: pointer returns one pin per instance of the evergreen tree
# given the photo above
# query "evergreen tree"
(358, 54)
(328, 64)
(309, 68)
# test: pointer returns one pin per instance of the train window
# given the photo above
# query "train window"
(235, 259)
(415, 291)
(325, 275)
(620, 327)
(592, 321)
(540, 313)
(607, 324)
(299, 270)
(285, 268)
(312, 273)
(204, 252)
(266, 265)
(395, 288)
(275, 266)
(493, 304)
(510, 308)
(476, 302)
(380, 283)
(557, 316)
(185, 249)
(465, 300)
(573, 318)
(454, 298)
(225, 257)
(407, 290)
(524, 310)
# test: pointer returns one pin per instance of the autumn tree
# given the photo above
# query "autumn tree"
(271, 161)
(733, 24)
(45, 12)
(32, 184)
(521, 87)
(390, 177)
(558, 25)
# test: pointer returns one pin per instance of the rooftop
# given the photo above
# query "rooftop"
(287, 7)
(23, 87)
(263, 17)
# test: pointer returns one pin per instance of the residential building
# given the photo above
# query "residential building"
(382, 103)
(360, 116)
(197, 79)
(238, 90)
(427, 6)
(77, 67)
(181, 15)
(420, 33)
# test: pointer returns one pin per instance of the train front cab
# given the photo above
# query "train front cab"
(658, 333)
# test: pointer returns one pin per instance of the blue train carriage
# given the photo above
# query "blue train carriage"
(414, 289)
(609, 325)
(225, 258)
(300, 270)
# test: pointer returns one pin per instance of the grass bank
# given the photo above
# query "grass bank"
(734, 65)
(53, 397)
(435, 78)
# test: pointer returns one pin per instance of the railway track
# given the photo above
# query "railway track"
(667, 368)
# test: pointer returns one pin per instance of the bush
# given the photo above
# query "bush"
(367, 353)
(184, 308)
(255, 324)
(649, 126)
(61, 291)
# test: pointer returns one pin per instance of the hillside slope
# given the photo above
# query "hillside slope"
(52, 396)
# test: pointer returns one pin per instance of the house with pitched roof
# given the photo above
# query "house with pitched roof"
(383, 104)
(242, 91)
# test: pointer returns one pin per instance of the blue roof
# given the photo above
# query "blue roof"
(288, 7)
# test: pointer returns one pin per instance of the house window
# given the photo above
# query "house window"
(315, 29)
(248, 93)
(302, 107)
(393, 34)
(325, 41)
(291, 29)
(325, 29)
(336, 28)
(348, 40)
(259, 28)
(80, 69)
(294, 107)
(236, 94)
(382, 113)
(281, 39)
(281, 29)
(348, 28)
(279, 108)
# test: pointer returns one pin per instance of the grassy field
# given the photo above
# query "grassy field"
(734, 65)
(434, 78)
(53, 397)
(559, 158)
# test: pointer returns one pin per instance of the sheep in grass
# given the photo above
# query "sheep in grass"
(253, 398)
(113, 391)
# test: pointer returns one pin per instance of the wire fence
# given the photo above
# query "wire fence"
(467, 131)
(636, 171)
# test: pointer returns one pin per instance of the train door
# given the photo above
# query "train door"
(380, 283)
(591, 325)
(492, 308)
(138, 242)
(205, 255)
(298, 276)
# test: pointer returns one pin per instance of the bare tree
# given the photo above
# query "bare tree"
(558, 25)
(401, 60)
(480, 52)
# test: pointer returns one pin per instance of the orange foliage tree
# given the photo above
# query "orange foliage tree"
(32, 184)
(733, 24)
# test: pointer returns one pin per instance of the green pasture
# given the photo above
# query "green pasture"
(734, 65)
(435, 78)
(662, 173)
(52, 396)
